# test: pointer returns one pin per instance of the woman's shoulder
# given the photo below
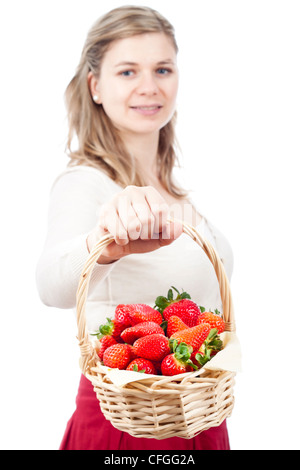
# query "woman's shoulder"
(81, 175)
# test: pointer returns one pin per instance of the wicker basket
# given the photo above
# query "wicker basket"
(158, 406)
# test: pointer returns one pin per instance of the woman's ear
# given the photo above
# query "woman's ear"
(93, 86)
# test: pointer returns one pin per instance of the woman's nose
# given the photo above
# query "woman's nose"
(147, 84)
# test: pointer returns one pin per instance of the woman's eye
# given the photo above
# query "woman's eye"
(163, 71)
(127, 73)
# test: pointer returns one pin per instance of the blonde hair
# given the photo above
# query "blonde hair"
(98, 141)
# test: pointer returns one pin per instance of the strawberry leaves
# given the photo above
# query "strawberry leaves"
(213, 340)
(104, 330)
(182, 353)
(212, 344)
(162, 302)
(136, 369)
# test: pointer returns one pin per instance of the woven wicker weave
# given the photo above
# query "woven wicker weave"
(160, 407)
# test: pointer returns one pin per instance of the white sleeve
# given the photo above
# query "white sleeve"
(75, 200)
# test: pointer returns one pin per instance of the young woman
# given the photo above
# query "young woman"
(122, 109)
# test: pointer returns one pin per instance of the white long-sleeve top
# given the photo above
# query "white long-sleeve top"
(75, 200)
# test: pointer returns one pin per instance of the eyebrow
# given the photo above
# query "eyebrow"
(128, 63)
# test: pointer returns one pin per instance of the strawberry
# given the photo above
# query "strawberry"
(142, 365)
(178, 362)
(103, 344)
(182, 306)
(129, 335)
(153, 347)
(213, 319)
(122, 314)
(175, 324)
(112, 328)
(140, 313)
(132, 354)
(193, 356)
(117, 356)
(211, 346)
(194, 336)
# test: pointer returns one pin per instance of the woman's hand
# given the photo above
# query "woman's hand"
(137, 218)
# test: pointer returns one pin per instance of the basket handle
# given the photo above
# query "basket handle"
(89, 357)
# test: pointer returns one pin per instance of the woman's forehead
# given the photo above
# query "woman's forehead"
(152, 47)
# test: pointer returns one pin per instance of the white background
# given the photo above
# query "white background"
(239, 106)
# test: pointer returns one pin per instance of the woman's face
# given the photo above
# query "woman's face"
(138, 83)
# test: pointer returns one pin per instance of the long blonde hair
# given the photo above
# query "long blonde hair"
(98, 141)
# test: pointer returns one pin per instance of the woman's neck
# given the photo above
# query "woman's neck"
(144, 149)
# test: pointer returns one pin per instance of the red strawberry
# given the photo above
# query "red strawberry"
(182, 306)
(112, 328)
(175, 324)
(194, 336)
(178, 362)
(117, 356)
(193, 356)
(185, 309)
(142, 365)
(213, 319)
(132, 354)
(122, 314)
(211, 346)
(153, 347)
(129, 335)
(104, 343)
(140, 313)
(172, 366)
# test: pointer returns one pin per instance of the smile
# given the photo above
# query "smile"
(147, 110)
(146, 107)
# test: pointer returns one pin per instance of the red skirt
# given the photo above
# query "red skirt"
(89, 430)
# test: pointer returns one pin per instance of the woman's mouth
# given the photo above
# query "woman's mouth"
(147, 110)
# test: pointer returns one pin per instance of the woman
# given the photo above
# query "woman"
(122, 108)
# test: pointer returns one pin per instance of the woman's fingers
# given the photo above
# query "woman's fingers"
(138, 214)
(146, 219)
(171, 232)
(152, 212)
(159, 210)
(128, 220)
(142, 212)
(111, 223)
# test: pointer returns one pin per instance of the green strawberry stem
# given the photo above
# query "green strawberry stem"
(136, 369)
(104, 330)
(213, 340)
(164, 325)
(216, 311)
(162, 302)
(212, 343)
(182, 352)
(205, 358)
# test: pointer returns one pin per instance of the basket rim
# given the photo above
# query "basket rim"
(165, 384)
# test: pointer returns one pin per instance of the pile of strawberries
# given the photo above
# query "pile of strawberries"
(174, 337)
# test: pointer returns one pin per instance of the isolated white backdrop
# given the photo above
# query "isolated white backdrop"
(239, 105)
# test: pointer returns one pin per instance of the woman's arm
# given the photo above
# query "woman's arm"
(75, 200)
